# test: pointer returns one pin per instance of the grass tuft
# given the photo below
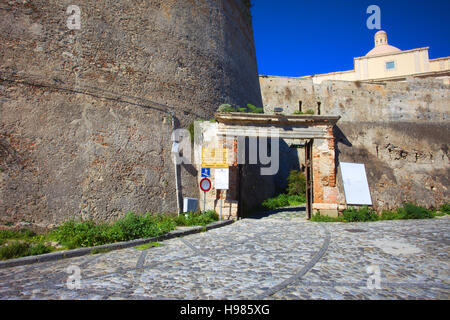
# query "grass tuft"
(364, 214)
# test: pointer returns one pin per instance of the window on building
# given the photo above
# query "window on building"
(390, 65)
(300, 106)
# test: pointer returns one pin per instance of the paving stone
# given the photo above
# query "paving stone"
(273, 256)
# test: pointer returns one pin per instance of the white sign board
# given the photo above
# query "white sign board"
(356, 187)
(221, 177)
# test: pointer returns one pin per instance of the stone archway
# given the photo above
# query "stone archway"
(232, 127)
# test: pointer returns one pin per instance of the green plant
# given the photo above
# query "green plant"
(391, 215)
(76, 234)
(361, 214)
(445, 208)
(148, 245)
(408, 211)
(23, 234)
(80, 234)
(87, 233)
(196, 218)
(309, 111)
(39, 248)
(17, 249)
(14, 249)
(438, 214)
(134, 226)
(264, 76)
(254, 109)
(412, 211)
(296, 183)
(320, 218)
(283, 200)
(226, 108)
(191, 129)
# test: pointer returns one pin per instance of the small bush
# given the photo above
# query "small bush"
(296, 183)
(276, 202)
(87, 234)
(392, 215)
(445, 208)
(80, 234)
(13, 250)
(408, 211)
(17, 249)
(360, 214)
(253, 109)
(196, 219)
(283, 200)
(320, 218)
(225, 108)
(39, 248)
(438, 213)
(411, 211)
(21, 234)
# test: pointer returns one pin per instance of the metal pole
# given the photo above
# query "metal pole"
(204, 201)
(177, 182)
(220, 205)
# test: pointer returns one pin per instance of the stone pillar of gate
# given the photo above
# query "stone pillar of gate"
(325, 191)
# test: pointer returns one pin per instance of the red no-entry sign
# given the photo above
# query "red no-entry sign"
(205, 184)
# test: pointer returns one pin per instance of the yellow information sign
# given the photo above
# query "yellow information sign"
(214, 158)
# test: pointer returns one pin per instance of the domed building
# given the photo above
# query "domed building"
(388, 63)
(381, 45)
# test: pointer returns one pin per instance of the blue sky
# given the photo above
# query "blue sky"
(298, 37)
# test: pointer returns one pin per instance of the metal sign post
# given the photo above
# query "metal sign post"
(205, 185)
(204, 202)
(220, 205)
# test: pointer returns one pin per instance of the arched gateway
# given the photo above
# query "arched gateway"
(237, 139)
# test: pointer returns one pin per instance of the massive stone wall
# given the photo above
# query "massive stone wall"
(85, 128)
(399, 130)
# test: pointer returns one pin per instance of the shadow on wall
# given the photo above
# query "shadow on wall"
(255, 188)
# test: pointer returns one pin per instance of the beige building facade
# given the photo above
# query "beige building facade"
(388, 63)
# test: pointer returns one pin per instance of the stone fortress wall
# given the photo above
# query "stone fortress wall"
(86, 115)
(399, 130)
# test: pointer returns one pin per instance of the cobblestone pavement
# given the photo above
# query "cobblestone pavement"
(277, 256)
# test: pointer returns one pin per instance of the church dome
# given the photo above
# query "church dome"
(381, 45)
